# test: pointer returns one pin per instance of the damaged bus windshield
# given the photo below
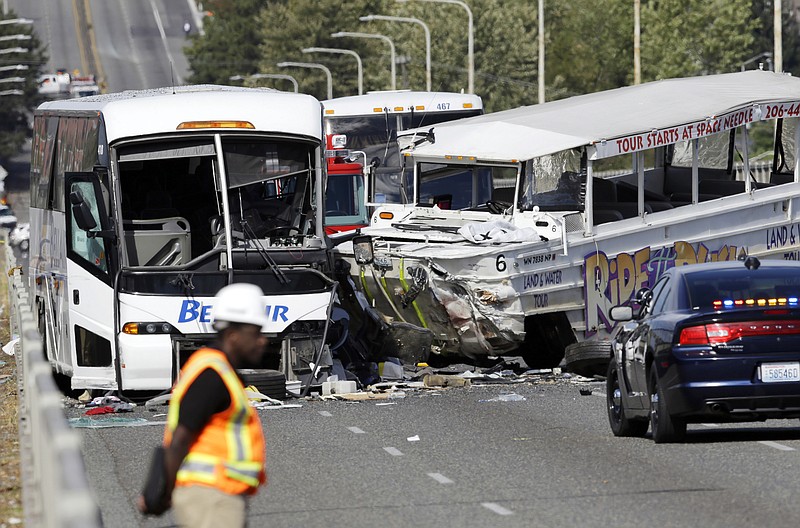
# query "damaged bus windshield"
(268, 185)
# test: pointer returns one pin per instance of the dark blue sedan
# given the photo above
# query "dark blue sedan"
(713, 342)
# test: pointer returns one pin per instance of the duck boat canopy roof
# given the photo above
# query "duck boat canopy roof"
(613, 122)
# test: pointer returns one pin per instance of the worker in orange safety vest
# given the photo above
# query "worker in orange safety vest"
(214, 446)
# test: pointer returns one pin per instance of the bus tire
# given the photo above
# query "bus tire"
(269, 382)
(588, 358)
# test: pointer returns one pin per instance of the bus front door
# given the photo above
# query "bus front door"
(89, 284)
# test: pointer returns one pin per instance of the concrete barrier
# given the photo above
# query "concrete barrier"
(55, 489)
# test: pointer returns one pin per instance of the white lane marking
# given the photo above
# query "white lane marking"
(710, 425)
(602, 394)
(393, 451)
(356, 430)
(776, 445)
(325, 413)
(441, 479)
(499, 510)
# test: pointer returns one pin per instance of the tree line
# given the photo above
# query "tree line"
(588, 43)
(19, 73)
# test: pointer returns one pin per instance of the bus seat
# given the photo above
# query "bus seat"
(728, 188)
(678, 199)
(603, 216)
(658, 206)
(626, 209)
(778, 178)
(679, 179)
(627, 192)
(604, 190)
(503, 194)
(158, 242)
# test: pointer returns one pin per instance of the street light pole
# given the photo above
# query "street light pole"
(15, 37)
(311, 65)
(370, 18)
(15, 67)
(764, 55)
(13, 50)
(470, 40)
(267, 76)
(343, 52)
(384, 38)
(541, 52)
(637, 42)
(778, 35)
(20, 21)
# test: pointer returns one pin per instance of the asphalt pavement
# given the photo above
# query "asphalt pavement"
(548, 460)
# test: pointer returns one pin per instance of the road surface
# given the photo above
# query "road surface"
(550, 460)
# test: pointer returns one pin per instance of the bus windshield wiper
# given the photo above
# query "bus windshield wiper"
(250, 235)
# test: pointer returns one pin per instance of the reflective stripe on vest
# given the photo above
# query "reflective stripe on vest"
(241, 461)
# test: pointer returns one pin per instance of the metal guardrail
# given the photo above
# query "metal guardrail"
(55, 488)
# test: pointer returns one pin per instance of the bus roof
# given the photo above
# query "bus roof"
(143, 112)
(618, 121)
(401, 101)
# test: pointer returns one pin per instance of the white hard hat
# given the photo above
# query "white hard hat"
(239, 303)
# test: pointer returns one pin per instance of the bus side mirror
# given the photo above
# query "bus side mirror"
(80, 211)
(362, 250)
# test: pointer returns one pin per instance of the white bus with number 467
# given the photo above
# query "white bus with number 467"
(144, 204)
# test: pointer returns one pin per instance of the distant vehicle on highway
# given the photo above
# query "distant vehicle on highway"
(54, 84)
(20, 236)
(62, 84)
(84, 86)
(7, 218)
(711, 342)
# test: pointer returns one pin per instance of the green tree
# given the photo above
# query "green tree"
(230, 44)
(589, 46)
(682, 38)
(505, 53)
(15, 107)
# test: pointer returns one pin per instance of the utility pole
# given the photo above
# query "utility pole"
(778, 30)
(637, 44)
(541, 52)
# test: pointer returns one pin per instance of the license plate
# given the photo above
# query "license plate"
(780, 372)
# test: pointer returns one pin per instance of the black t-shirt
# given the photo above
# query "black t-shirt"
(207, 395)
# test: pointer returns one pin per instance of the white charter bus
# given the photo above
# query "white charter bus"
(145, 203)
(368, 124)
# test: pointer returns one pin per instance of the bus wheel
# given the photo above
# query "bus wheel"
(269, 382)
(589, 358)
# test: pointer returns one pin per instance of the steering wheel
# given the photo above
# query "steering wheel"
(288, 228)
(497, 206)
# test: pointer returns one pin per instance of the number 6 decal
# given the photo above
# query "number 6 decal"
(501, 262)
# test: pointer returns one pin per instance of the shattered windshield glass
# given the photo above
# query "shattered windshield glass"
(249, 161)
(375, 135)
(269, 184)
(553, 182)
